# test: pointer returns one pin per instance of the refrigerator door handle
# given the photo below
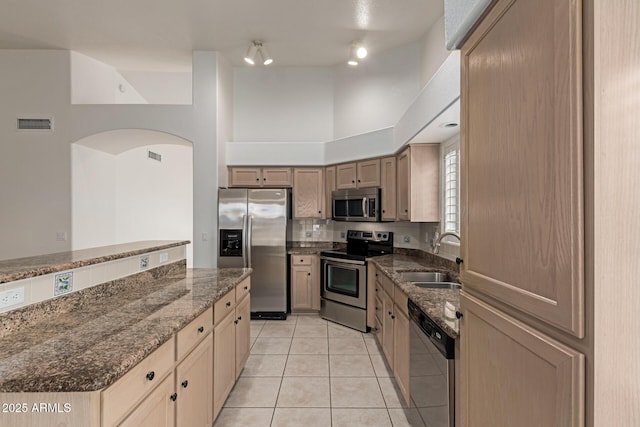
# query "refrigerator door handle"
(245, 247)
(249, 239)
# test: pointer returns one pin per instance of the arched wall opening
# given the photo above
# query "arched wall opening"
(122, 192)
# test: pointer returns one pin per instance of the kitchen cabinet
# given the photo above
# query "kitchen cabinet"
(305, 283)
(388, 188)
(259, 177)
(224, 361)
(243, 334)
(514, 375)
(401, 349)
(157, 409)
(329, 187)
(308, 193)
(418, 183)
(361, 174)
(194, 386)
(388, 317)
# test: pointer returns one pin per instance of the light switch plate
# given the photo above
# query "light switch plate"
(164, 257)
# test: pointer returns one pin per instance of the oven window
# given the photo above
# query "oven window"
(342, 280)
(355, 208)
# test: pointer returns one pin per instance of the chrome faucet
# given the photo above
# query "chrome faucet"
(436, 244)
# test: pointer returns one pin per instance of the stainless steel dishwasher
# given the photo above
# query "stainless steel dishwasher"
(432, 370)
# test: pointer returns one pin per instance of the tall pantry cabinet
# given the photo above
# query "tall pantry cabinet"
(550, 159)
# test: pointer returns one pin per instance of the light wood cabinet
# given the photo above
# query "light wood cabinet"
(388, 317)
(522, 169)
(224, 361)
(157, 409)
(505, 361)
(305, 283)
(308, 193)
(259, 177)
(418, 183)
(358, 174)
(401, 351)
(388, 188)
(329, 187)
(243, 333)
(194, 386)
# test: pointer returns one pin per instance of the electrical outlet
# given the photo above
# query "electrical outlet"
(61, 236)
(11, 297)
(308, 233)
(407, 239)
(343, 234)
(164, 257)
(144, 262)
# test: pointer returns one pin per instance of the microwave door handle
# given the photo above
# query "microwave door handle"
(365, 212)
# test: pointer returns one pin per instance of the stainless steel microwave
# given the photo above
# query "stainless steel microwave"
(356, 204)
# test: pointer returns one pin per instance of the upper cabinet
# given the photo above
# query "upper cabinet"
(418, 183)
(308, 193)
(358, 174)
(388, 188)
(260, 177)
(522, 171)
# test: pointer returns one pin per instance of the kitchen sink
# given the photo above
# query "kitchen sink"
(424, 276)
(437, 285)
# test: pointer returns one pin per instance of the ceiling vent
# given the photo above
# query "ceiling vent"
(35, 124)
(155, 156)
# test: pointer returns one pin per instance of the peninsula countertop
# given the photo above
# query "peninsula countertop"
(93, 337)
(431, 301)
(24, 268)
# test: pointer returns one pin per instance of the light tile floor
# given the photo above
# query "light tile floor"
(308, 372)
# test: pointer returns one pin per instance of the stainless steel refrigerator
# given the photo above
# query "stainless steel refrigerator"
(253, 231)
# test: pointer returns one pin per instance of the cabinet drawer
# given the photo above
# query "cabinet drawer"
(224, 306)
(401, 300)
(301, 259)
(243, 289)
(189, 336)
(386, 283)
(124, 394)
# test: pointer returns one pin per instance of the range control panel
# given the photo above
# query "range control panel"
(372, 236)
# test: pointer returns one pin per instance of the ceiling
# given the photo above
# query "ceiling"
(160, 35)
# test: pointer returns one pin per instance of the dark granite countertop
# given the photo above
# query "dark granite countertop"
(431, 301)
(309, 248)
(23, 268)
(89, 339)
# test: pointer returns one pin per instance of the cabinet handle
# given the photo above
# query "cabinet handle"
(406, 210)
(235, 321)
(228, 303)
(389, 313)
(301, 260)
(174, 397)
(246, 288)
(185, 383)
(459, 260)
(376, 274)
(257, 179)
(201, 329)
(264, 179)
(308, 274)
(393, 317)
(358, 180)
(239, 317)
(383, 211)
(459, 314)
(353, 182)
(319, 212)
(151, 375)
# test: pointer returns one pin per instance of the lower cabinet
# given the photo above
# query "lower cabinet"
(224, 361)
(194, 386)
(401, 349)
(243, 334)
(157, 409)
(305, 283)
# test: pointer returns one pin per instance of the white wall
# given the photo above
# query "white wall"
(35, 166)
(93, 196)
(158, 87)
(283, 104)
(94, 82)
(225, 116)
(433, 51)
(377, 92)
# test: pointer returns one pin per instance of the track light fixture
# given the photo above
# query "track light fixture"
(357, 51)
(255, 48)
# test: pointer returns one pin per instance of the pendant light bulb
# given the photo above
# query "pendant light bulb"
(353, 58)
(250, 57)
(361, 52)
(264, 54)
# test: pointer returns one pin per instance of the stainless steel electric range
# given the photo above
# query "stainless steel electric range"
(344, 277)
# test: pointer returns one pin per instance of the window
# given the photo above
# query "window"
(451, 188)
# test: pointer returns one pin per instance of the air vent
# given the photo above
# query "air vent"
(155, 156)
(35, 124)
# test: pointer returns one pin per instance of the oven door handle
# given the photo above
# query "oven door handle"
(340, 260)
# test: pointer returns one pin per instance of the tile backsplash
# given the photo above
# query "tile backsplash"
(409, 235)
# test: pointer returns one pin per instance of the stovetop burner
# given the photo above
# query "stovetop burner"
(363, 244)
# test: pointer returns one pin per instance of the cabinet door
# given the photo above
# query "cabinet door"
(194, 386)
(424, 183)
(156, 410)
(308, 192)
(243, 333)
(403, 185)
(388, 317)
(388, 185)
(513, 375)
(368, 173)
(329, 186)
(276, 177)
(346, 176)
(401, 352)
(245, 177)
(315, 283)
(224, 361)
(301, 287)
(522, 180)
